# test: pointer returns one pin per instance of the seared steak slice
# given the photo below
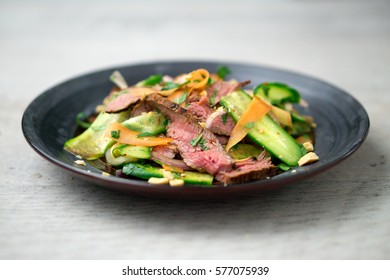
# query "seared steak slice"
(221, 88)
(248, 170)
(222, 125)
(198, 146)
(139, 109)
(122, 102)
(168, 151)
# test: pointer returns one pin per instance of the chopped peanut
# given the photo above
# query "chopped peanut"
(176, 183)
(308, 146)
(158, 181)
(167, 174)
(308, 158)
(80, 162)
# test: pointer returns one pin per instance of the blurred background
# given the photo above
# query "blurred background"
(55, 40)
(45, 42)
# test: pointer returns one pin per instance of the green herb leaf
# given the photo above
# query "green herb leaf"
(151, 80)
(115, 134)
(212, 97)
(249, 125)
(145, 134)
(196, 140)
(223, 71)
(170, 85)
(224, 118)
(180, 99)
(210, 81)
(80, 120)
(202, 144)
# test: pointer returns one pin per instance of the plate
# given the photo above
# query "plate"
(342, 124)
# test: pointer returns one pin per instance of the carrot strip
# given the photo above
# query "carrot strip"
(122, 134)
(256, 110)
(172, 168)
(198, 78)
(139, 91)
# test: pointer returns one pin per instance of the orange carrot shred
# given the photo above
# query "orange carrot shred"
(122, 134)
(256, 110)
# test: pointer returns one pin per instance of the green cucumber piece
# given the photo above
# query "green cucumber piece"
(265, 132)
(116, 159)
(277, 93)
(146, 171)
(151, 123)
(92, 143)
(125, 150)
(244, 151)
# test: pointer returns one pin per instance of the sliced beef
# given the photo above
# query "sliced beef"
(248, 170)
(222, 125)
(139, 109)
(221, 88)
(206, 154)
(122, 102)
(222, 139)
(169, 151)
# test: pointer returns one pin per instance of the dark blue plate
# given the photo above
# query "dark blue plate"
(342, 124)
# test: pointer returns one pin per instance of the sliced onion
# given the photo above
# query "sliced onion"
(117, 78)
(219, 112)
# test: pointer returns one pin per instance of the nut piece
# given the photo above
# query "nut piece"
(176, 183)
(167, 174)
(308, 146)
(308, 158)
(80, 162)
(158, 181)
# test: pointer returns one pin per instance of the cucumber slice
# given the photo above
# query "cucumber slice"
(277, 93)
(150, 124)
(146, 172)
(92, 143)
(115, 159)
(265, 132)
(244, 151)
(125, 150)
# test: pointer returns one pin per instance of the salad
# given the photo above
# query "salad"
(196, 128)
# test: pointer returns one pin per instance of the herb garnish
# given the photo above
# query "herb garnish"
(80, 120)
(180, 99)
(202, 144)
(151, 80)
(172, 85)
(224, 118)
(249, 125)
(196, 140)
(212, 97)
(115, 134)
(199, 140)
(223, 71)
(145, 134)
(210, 81)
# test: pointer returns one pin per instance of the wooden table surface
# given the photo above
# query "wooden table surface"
(46, 213)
